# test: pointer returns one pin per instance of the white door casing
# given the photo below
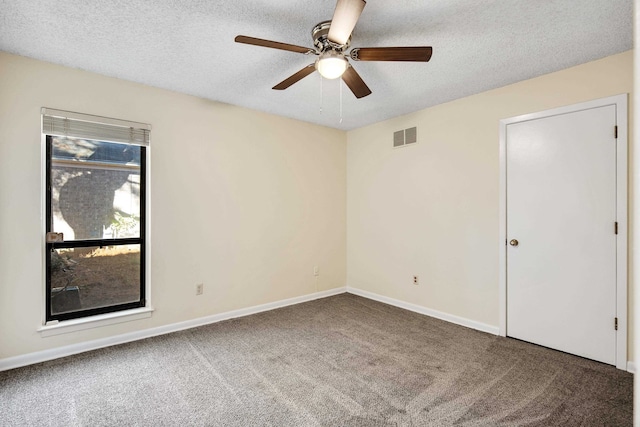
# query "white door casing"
(560, 196)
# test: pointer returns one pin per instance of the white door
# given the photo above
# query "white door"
(561, 213)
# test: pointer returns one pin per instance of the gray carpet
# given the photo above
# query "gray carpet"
(339, 361)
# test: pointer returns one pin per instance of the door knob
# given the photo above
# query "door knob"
(513, 242)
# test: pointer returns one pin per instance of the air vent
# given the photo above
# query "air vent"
(405, 137)
(411, 135)
(398, 138)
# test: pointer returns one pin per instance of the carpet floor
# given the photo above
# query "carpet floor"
(337, 361)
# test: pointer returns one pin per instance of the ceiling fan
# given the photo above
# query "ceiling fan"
(331, 40)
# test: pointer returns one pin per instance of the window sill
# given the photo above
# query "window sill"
(74, 325)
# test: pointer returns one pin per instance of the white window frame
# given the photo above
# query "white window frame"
(45, 328)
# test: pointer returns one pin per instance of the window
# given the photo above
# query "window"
(95, 215)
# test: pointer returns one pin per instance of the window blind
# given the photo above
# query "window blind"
(78, 125)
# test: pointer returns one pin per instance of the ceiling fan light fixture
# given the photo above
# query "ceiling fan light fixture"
(331, 64)
(332, 39)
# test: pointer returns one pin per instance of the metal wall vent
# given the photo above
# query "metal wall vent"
(405, 137)
(411, 135)
(398, 138)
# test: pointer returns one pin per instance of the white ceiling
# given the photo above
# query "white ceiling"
(187, 46)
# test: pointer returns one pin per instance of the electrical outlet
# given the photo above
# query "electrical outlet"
(316, 271)
(415, 280)
(199, 288)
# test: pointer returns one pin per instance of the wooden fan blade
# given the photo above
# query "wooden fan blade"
(417, 53)
(355, 83)
(274, 45)
(344, 20)
(296, 77)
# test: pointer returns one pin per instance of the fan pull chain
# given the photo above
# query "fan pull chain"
(340, 100)
(321, 92)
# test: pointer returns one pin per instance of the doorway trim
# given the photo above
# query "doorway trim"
(620, 102)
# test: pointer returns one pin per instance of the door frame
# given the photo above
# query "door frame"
(620, 102)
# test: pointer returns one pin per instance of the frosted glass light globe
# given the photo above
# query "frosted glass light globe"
(331, 65)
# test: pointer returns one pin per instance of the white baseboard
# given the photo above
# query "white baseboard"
(631, 367)
(494, 330)
(55, 353)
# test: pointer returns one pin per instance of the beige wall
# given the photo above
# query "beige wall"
(432, 209)
(244, 202)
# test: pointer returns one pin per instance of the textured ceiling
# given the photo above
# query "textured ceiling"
(187, 46)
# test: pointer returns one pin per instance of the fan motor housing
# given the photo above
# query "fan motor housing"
(319, 34)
